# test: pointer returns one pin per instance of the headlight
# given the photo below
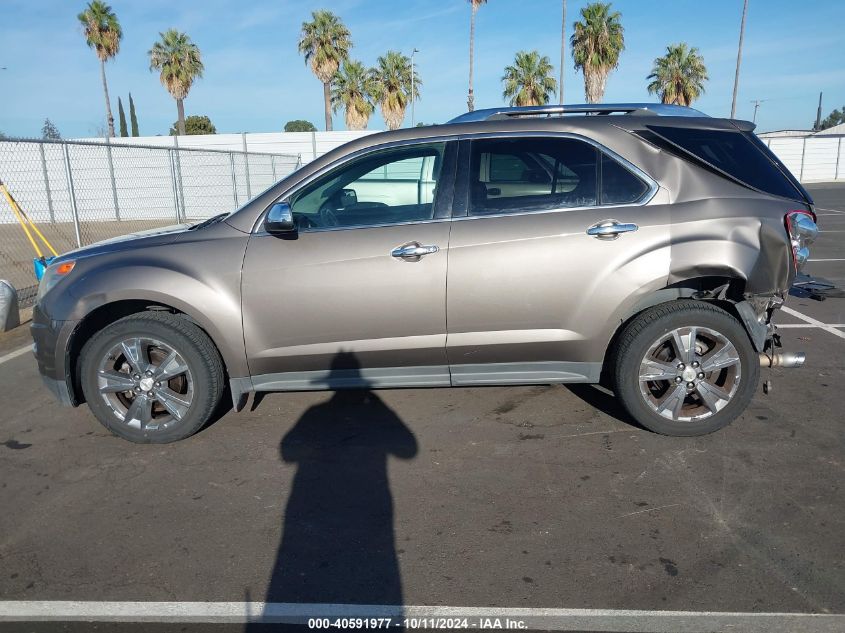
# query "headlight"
(803, 231)
(53, 275)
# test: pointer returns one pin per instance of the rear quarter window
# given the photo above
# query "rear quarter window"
(734, 154)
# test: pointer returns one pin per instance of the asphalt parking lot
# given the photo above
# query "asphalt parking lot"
(502, 498)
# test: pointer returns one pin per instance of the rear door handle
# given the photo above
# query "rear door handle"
(610, 229)
(414, 251)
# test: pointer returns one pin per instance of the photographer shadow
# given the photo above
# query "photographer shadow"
(338, 544)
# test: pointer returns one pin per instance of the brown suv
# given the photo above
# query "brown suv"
(643, 243)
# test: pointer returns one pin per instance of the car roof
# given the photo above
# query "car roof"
(595, 109)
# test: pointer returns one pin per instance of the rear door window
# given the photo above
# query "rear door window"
(531, 174)
(521, 175)
(618, 184)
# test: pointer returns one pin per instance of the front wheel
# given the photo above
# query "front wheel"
(152, 377)
(685, 368)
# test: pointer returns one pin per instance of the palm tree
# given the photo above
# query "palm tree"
(325, 42)
(179, 61)
(474, 4)
(597, 42)
(679, 75)
(102, 33)
(352, 89)
(529, 81)
(392, 86)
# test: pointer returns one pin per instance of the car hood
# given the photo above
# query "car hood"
(150, 237)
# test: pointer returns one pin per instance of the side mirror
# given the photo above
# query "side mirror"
(279, 219)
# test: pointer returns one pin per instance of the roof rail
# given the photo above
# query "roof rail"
(659, 109)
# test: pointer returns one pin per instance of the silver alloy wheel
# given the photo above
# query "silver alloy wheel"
(690, 373)
(146, 383)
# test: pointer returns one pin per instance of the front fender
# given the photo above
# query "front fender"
(199, 277)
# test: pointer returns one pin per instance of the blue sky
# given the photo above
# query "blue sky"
(255, 80)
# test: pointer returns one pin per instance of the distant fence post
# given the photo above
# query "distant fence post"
(838, 159)
(273, 165)
(246, 167)
(174, 186)
(111, 176)
(71, 192)
(298, 161)
(313, 146)
(234, 179)
(181, 189)
(803, 152)
(47, 184)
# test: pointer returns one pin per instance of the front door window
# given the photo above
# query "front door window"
(383, 188)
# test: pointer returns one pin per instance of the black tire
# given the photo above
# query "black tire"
(646, 329)
(193, 345)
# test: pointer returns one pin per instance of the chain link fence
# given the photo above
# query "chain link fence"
(80, 192)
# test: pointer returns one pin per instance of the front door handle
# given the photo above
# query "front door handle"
(413, 252)
(610, 229)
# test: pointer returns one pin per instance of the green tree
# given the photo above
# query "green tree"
(195, 124)
(3, 137)
(597, 42)
(49, 132)
(679, 76)
(352, 90)
(121, 116)
(102, 34)
(299, 125)
(133, 120)
(325, 43)
(179, 63)
(474, 4)
(834, 118)
(529, 81)
(391, 81)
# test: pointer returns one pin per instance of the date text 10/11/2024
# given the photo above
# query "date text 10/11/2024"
(492, 623)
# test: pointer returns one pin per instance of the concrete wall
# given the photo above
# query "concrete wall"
(308, 145)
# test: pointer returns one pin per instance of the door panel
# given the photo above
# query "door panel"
(307, 299)
(535, 287)
(337, 304)
(531, 296)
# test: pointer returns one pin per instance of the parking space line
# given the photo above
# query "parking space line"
(814, 322)
(15, 354)
(299, 613)
(827, 260)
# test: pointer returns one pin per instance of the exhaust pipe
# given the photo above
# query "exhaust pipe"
(787, 360)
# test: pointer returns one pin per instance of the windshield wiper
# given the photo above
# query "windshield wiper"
(212, 220)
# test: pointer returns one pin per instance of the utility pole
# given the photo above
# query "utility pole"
(562, 48)
(413, 89)
(757, 103)
(739, 57)
(818, 124)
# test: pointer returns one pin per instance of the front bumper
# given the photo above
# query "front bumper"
(50, 345)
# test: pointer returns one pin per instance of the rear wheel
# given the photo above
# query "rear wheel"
(685, 368)
(152, 377)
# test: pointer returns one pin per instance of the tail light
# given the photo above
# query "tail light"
(802, 229)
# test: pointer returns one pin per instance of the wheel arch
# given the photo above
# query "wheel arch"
(104, 315)
(727, 290)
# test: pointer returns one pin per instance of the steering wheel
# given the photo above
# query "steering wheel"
(328, 216)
